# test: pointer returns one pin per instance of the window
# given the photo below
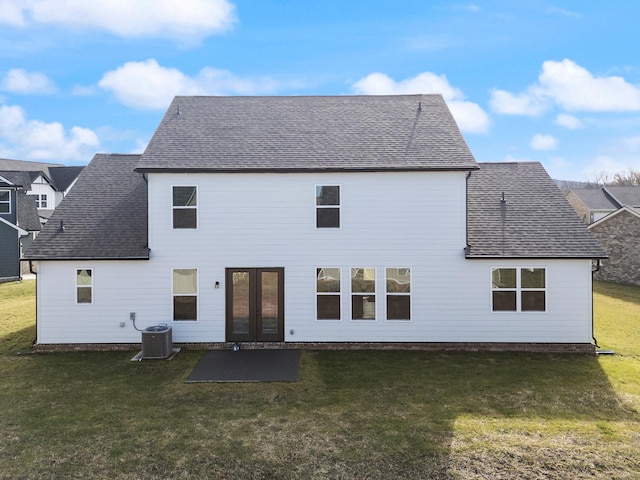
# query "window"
(518, 289)
(84, 285)
(328, 293)
(363, 293)
(398, 285)
(327, 206)
(184, 207)
(185, 294)
(41, 200)
(5, 201)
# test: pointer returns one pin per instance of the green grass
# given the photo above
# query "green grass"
(351, 415)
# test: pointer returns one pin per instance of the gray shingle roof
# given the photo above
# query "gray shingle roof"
(536, 221)
(104, 215)
(63, 177)
(626, 196)
(27, 212)
(409, 132)
(594, 198)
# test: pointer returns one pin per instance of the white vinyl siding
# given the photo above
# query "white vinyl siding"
(414, 219)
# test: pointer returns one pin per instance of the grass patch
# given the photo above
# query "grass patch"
(351, 415)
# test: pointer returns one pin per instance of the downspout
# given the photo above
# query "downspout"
(35, 272)
(593, 271)
(467, 248)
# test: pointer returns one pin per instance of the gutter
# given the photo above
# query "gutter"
(35, 272)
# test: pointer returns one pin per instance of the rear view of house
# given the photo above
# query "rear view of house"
(314, 221)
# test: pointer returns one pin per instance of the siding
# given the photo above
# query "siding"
(414, 220)
(9, 252)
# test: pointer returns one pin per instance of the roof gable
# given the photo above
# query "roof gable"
(20, 231)
(342, 133)
(534, 220)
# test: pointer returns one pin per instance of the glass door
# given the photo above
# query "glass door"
(255, 304)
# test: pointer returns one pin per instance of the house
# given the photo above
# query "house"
(619, 235)
(18, 221)
(594, 203)
(613, 213)
(321, 222)
(48, 183)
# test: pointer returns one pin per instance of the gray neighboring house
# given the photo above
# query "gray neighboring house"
(18, 226)
(34, 189)
(613, 216)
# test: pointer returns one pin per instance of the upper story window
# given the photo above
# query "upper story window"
(185, 207)
(41, 200)
(327, 206)
(518, 289)
(5, 201)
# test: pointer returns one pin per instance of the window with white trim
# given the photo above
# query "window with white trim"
(84, 285)
(363, 293)
(185, 294)
(398, 286)
(5, 201)
(185, 207)
(41, 200)
(328, 293)
(518, 289)
(327, 206)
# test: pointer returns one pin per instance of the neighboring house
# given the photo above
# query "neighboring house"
(594, 203)
(321, 222)
(17, 213)
(619, 235)
(48, 183)
(613, 217)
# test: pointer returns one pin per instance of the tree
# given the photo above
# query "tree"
(630, 178)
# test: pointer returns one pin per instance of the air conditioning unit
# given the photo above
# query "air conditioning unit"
(157, 342)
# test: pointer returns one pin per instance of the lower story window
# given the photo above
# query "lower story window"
(518, 289)
(84, 285)
(398, 285)
(185, 294)
(328, 293)
(363, 293)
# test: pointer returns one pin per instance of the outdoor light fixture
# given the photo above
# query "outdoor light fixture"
(217, 285)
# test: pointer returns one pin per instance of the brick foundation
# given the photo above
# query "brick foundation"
(582, 348)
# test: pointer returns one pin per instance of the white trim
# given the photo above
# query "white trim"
(21, 232)
(197, 295)
(92, 286)
(339, 294)
(316, 206)
(7, 202)
(401, 294)
(375, 294)
(2, 179)
(518, 290)
(196, 208)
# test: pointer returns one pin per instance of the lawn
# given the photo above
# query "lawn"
(351, 415)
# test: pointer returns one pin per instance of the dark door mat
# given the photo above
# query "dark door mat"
(247, 366)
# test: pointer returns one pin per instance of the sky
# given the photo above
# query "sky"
(551, 81)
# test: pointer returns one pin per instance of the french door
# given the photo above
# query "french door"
(255, 304)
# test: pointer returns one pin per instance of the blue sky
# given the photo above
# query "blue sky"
(550, 81)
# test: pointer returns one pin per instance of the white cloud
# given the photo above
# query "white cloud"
(569, 121)
(187, 21)
(528, 103)
(36, 140)
(150, 85)
(571, 87)
(544, 142)
(470, 116)
(22, 82)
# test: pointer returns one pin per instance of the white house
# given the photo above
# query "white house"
(326, 222)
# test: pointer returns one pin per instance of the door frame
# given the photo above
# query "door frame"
(255, 315)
